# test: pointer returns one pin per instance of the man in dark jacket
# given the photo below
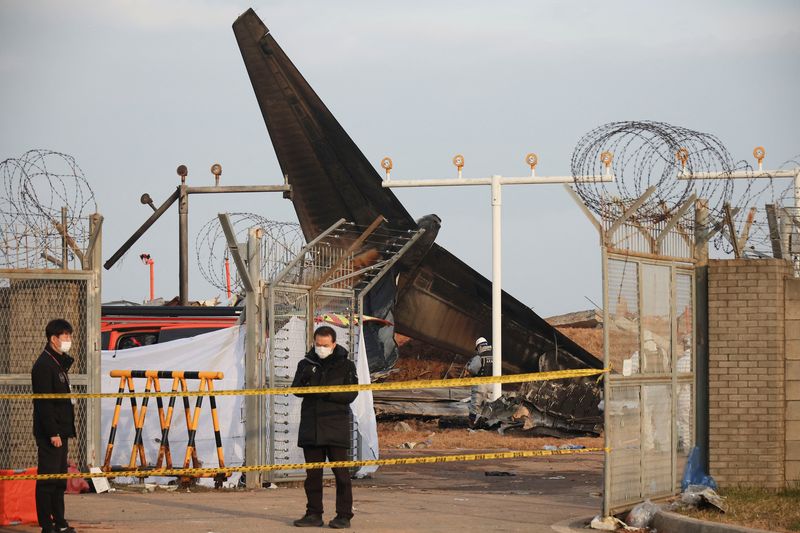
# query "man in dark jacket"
(53, 424)
(325, 425)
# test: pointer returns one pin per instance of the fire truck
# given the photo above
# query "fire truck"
(123, 327)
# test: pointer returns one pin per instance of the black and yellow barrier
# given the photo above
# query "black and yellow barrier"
(164, 461)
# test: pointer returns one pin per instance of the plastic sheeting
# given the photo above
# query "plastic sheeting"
(221, 351)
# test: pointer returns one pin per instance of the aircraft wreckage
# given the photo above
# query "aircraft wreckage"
(433, 296)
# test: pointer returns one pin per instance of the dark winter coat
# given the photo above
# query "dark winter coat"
(49, 375)
(325, 418)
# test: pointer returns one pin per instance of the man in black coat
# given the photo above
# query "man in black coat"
(325, 425)
(53, 424)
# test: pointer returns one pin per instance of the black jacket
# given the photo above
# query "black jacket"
(325, 418)
(49, 375)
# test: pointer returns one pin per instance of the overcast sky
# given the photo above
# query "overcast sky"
(131, 89)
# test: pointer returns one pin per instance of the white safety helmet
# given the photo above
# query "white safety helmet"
(480, 340)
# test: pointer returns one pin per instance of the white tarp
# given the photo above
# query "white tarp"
(364, 413)
(221, 351)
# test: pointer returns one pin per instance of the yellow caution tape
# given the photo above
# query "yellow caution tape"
(209, 472)
(396, 385)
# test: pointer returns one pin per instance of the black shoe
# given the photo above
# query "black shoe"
(65, 529)
(339, 522)
(310, 520)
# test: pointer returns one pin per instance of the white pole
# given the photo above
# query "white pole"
(497, 286)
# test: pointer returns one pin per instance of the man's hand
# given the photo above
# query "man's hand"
(56, 441)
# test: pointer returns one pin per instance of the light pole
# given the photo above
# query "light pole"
(147, 260)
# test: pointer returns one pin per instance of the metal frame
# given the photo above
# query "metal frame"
(495, 182)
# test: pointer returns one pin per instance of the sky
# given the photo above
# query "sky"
(132, 89)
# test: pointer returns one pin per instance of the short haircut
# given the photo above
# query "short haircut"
(57, 327)
(325, 331)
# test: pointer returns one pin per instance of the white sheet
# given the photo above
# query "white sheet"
(222, 351)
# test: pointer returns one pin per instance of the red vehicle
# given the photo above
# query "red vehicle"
(123, 327)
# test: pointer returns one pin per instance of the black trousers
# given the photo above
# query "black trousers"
(313, 483)
(50, 492)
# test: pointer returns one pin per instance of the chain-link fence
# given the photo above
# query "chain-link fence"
(28, 301)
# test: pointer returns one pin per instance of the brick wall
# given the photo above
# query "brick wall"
(748, 369)
(792, 383)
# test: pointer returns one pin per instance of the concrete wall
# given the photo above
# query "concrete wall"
(751, 435)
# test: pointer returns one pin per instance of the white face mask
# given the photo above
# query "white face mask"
(65, 346)
(323, 351)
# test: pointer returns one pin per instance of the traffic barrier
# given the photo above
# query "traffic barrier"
(165, 419)
(17, 497)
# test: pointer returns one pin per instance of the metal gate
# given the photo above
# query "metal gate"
(650, 341)
(649, 394)
(289, 340)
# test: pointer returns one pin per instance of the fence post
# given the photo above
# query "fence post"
(253, 414)
(93, 316)
(701, 331)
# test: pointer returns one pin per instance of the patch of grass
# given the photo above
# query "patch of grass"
(773, 510)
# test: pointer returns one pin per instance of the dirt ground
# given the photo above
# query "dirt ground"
(531, 496)
(427, 434)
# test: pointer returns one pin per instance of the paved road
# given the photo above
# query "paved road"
(443, 497)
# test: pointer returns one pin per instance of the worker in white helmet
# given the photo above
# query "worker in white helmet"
(480, 365)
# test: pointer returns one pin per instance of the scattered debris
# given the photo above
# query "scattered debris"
(699, 496)
(641, 515)
(609, 523)
(554, 477)
(403, 427)
(443, 403)
(498, 473)
(539, 409)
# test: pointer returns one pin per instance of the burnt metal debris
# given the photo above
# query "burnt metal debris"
(435, 297)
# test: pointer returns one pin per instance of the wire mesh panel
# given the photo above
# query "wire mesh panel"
(624, 429)
(684, 418)
(623, 315)
(656, 354)
(27, 303)
(656, 440)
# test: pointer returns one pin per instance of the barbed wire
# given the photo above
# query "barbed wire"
(641, 154)
(35, 188)
(281, 243)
